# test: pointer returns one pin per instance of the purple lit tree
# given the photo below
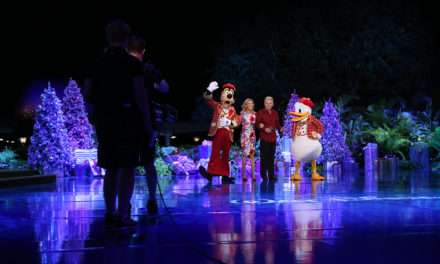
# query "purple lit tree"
(287, 127)
(284, 140)
(50, 150)
(278, 148)
(77, 123)
(333, 139)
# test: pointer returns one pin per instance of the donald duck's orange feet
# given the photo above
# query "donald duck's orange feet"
(315, 174)
(296, 177)
(317, 177)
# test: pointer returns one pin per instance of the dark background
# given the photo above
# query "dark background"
(319, 48)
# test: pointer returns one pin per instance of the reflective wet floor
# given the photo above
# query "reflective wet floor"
(348, 218)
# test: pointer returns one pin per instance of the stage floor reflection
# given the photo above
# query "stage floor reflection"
(346, 219)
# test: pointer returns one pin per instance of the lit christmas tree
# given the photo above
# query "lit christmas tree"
(287, 127)
(283, 148)
(333, 139)
(49, 150)
(279, 148)
(77, 123)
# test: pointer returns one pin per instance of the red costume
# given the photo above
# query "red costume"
(224, 120)
(313, 125)
(306, 133)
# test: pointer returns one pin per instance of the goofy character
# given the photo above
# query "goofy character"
(224, 120)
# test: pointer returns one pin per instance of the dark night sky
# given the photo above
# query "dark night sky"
(56, 41)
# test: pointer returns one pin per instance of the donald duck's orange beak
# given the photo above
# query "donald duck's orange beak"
(299, 116)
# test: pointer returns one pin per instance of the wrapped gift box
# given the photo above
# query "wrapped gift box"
(205, 149)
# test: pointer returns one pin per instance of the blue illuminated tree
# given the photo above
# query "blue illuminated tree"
(333, 139)
(278, 148)
(287, 127)
(77, 123)
(284, 139)
(50, 150)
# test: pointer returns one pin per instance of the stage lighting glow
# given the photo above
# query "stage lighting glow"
(196, 139)
(260, 201)
(337, 199)
(23, 140)
(375, 198)
(173, 137)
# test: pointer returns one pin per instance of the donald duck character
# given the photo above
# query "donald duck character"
(306, 133)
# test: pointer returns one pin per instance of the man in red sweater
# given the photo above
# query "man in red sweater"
(267, 122)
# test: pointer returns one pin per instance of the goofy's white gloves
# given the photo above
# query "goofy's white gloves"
(224, 122)
(212, 86)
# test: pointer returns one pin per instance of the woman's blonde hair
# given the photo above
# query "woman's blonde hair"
(245, 102)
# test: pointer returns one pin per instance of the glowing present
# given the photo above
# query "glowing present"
(86, 161)
(287, 157)
(181, 164)
(333, 170)
(167, 151)
(205, 149)
(370, 156)
(286, 145)
(419, 155)
(82, 155)
(388, 168)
